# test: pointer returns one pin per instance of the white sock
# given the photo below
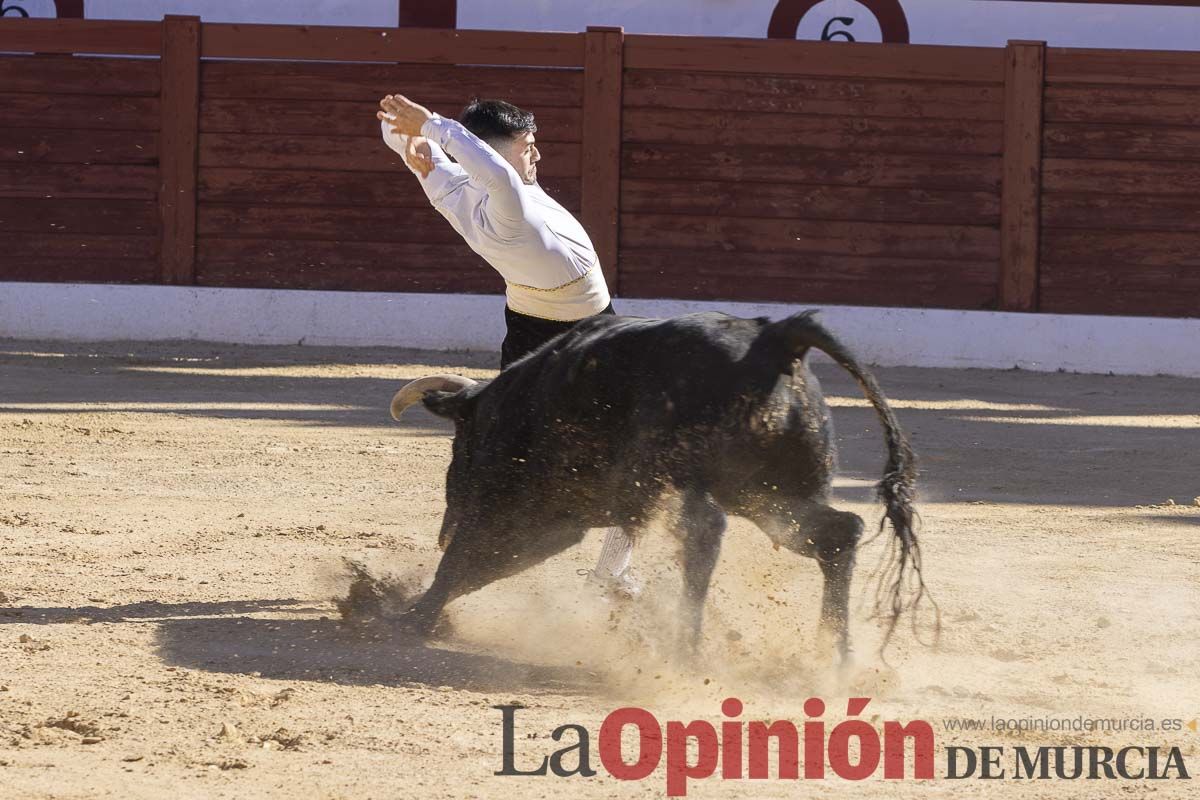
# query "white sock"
(615, 555)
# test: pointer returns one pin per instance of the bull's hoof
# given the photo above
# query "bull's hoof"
(363, 602)
(833, 653)
(442, 630)
(686, 652)
(410, 625)
(370, 599)
(614, 588)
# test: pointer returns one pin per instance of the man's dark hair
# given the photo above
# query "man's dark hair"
(496, 120)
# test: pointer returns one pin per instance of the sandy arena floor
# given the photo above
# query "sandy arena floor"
(173, 521)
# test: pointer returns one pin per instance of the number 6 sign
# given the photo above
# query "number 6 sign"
(785, 20)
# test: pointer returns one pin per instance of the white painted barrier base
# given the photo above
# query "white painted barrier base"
(885, 336)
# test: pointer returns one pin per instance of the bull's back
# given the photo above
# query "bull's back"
(686, 398)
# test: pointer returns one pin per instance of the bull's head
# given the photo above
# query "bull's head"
(444, 395)
(441, 394)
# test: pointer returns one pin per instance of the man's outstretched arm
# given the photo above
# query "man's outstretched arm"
(485, 166)
(438, 174)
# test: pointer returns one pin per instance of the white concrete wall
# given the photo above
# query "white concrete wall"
(886, 336)
(957, 22)
(964, 22)
(371, 13)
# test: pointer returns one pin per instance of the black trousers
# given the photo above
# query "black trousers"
(526, 334)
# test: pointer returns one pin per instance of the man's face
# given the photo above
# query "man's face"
(523, 154)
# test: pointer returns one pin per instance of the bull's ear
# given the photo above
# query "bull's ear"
(451, 405)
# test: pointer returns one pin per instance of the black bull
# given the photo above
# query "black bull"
(593, 429)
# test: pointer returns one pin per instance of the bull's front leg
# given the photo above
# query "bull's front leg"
(423, 615)
(480, 553)
(703, 524)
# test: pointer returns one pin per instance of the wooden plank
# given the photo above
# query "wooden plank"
(1086, 299)
(1128, 105)
(449, 86)
(308, 188)
(797, 201)
(795, 165)
(298, 187)
(106, 216)
(79, 75)
(1019, 214)
(411, 45)
(78, 111)
(823, 290)
(79, 180)
(1127, 248)
(38, 145)
(1107, 288)
(817, 266)
(109, 37)
(788, 57)
(1105, 275)
(322, 223)
(1142, 67)
(343, 153)
(361, 278)
(78, 270)
(1124, 212)
(177, 153)
(1120, 177)
(345, 252)
(333, 118)
(600, 154)
(271, 151)
(854, 97)
(672, 126)
(1147, 143)
(739, 235)
(815, 278)
(343, 265)
(17, 246)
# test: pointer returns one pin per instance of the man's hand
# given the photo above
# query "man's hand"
(418, 156)
(405, 116)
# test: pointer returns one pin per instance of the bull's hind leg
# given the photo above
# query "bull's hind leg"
(473, 560)
(831, 537)
(702, 523)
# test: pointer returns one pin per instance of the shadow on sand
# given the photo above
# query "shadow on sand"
(225, 637)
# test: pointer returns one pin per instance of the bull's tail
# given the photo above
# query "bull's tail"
(901, 584)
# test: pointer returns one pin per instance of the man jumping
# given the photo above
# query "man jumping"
(490, 195)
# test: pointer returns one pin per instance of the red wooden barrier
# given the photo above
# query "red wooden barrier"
(715, 168)
(1024, 78)
(178, 146)
(601, 151)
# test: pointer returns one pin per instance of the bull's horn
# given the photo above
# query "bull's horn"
(413, 391)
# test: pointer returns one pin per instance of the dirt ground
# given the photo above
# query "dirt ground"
(173, 520)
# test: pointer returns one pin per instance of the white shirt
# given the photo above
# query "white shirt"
(544, 255)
